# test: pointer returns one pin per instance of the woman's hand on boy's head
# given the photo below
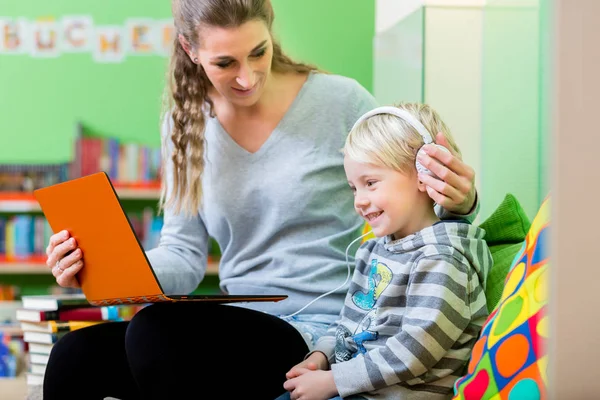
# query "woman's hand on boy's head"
(455, 188)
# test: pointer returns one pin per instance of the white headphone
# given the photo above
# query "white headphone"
(412, 121)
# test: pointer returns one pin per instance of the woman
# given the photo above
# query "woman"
(252, 159)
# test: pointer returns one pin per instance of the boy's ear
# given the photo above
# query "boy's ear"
(421, 186)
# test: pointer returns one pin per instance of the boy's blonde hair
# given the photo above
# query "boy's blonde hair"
(389, 141)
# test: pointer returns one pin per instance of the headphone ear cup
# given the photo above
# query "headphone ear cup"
(421, 168)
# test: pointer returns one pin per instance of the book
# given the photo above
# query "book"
(103, 313)
(39, 348)
(54, 302)
(34, 379)
(56, 326)
(37, 369)
(41, 359)
(42, 337)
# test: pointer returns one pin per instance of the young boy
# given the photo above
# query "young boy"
(416, 303)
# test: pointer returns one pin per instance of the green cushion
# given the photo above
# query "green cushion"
(505, 231)
(507, 224)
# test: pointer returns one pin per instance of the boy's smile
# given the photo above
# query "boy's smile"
(392, 202)
(373, 216)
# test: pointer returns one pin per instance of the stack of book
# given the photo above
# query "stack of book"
(45, 319)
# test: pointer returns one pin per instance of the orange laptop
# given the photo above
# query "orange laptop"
(116, 269)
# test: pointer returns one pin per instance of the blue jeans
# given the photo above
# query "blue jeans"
(286, 396)
(311, 326)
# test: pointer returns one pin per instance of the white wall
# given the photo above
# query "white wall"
(398, 61)
(389, 12)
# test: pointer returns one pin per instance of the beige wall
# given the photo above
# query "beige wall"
(575, 302)
(453, 76)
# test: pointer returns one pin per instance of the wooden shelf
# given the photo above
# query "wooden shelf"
(22, 203)
(19, 206)
(138, 194)
(31, 268)
(23, 268)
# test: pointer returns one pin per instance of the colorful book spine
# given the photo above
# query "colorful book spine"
(2, 235)
(106, 313)
(57, 326)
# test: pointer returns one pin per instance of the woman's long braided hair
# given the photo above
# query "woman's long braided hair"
(188, 101)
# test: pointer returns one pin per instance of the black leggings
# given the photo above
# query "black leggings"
(176, 351)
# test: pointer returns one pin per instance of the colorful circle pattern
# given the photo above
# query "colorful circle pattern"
(509, 360)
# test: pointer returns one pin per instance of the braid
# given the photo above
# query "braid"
(189, 86)
(188, 101)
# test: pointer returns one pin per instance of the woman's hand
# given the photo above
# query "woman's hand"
(64, 259)
(455, 188)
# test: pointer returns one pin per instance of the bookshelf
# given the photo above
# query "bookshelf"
(31, 275)
(17, 203)
(14, 203)
(23, 268)
(12, 206)
(134, 170)
(39, 268)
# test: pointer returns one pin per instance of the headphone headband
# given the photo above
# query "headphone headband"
(402, 114)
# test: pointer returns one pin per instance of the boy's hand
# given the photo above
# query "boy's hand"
(315, 361)
(313, 385)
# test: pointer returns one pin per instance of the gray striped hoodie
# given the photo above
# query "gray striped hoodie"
(413, 312)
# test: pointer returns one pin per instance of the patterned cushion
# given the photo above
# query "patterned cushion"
(509, 360)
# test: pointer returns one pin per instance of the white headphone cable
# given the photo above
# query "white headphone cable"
(337, 288)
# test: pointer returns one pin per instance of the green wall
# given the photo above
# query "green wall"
(546, 94)
(41, 99)
(511, 106)
(337, 35)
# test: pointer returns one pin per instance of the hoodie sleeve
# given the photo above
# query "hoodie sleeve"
(326, 343)
(437, 312)
(442, 213)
